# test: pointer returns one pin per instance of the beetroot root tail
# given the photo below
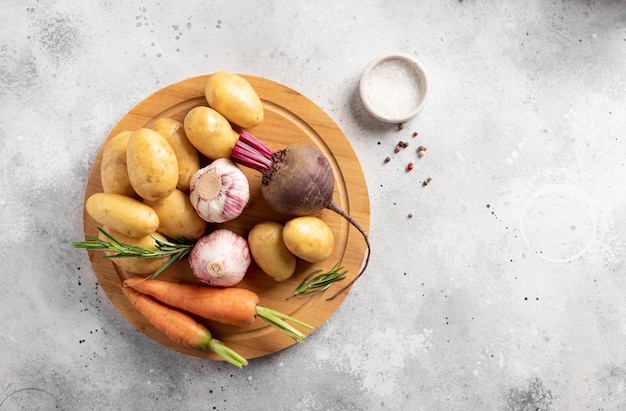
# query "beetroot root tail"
(334, 207)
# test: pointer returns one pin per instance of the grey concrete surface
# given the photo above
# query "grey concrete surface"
(505, 291)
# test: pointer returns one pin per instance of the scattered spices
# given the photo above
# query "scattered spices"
(428, 180)
(387, 159)
(409, 166)
(401, 144)
(421, 150)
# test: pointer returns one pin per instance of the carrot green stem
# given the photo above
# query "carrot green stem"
(276, 319)
(227, 354)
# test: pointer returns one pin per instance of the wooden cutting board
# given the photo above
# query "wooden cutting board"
(289, 118)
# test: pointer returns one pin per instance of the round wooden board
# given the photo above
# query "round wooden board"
(289, 118)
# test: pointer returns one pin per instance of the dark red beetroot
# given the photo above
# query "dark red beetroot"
(297, 180)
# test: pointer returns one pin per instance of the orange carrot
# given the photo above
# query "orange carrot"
(207, 302)
(180, 327)
(231, 305)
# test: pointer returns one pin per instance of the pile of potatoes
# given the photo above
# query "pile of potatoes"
(145, 177)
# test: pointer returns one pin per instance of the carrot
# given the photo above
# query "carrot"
(180, 327)
(231, 305)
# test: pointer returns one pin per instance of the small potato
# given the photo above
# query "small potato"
(186, 154)
(152, 165)
(268, 250)
(309, 238)
(177, 217)
(123, 214)
(209, 132)
(113, 170)
(135, 265)
(234, 98)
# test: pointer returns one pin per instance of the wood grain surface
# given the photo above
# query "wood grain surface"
(289, 118)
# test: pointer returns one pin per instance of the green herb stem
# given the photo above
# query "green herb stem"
(165, 249)
(319, 281)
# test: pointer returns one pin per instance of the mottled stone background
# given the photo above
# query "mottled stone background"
(504, 291)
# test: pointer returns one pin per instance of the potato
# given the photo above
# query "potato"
(309, 238)
(177, 217)
(123, 214)
(268, 250)
(135, 265)
(186, 154)
(234, 98)
(113, 171)
(210, 132)
(152, 165)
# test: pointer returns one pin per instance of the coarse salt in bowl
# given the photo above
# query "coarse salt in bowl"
(393, 88)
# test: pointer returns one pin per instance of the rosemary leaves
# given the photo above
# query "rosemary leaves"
(165, 249)
(318, 281)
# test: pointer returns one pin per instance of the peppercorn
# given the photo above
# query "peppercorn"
(400, 126)
(415, 134)
(387, 159)
(421, 150)
(409, 166)
(428, 180)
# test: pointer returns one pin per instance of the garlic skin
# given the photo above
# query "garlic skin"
(220, 259)
(220, 191)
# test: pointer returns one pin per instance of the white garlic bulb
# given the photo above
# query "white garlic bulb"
(220, 191)
(220, 259)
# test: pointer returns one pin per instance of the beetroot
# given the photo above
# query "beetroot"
(297, 180)
(303, 191)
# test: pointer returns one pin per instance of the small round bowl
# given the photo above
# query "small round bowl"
(393, 88)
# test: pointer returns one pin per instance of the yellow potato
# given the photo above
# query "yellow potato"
(309, 238)
(177, 217)
(135, 265)
(152, 165)
(113, 171)
(234, 98)
(186, 154)
(210, 132)
(268, 250)
(123, 214)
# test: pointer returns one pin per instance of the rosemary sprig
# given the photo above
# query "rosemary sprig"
(319, 281)
(172, 250)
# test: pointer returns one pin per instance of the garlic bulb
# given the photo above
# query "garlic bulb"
(220, 259)
(220, 191)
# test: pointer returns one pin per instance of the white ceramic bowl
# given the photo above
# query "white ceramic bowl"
(393, 88)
